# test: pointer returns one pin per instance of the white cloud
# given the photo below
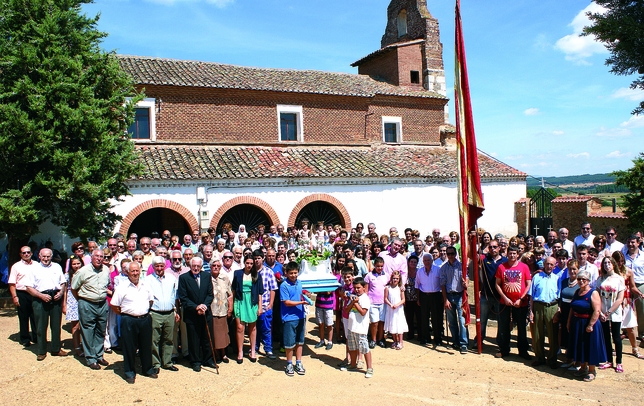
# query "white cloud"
(633, 122)
(579, 155)
(493, 154)
(513, 157)
(616, 154)
(217, 3)
(536, 165)
(576, 47)
(613, 132)
(558, 132)
(629, 94)
(532, 111)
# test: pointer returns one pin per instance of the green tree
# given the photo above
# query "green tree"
(621, 30)
(64, 149)
(633, 179)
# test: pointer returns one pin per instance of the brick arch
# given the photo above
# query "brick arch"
(155, 204)
(344, 214)
(270, 212)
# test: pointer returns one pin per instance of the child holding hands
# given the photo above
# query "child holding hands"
(358, 307)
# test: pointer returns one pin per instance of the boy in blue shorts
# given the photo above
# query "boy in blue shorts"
(293, 318)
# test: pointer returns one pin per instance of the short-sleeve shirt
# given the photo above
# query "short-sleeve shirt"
(270, 284)
(291, 291)
(132, 299)
(92, 283)
(544, 288)
(377, 285)
(21, 273)
(609, 288)
(514, 280)
(46, 277)
(358, 323)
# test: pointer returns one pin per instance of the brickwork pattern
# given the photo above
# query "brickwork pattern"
(259, 203)
(158, 203)
(199, 115)
(522, 215)
(344, 214)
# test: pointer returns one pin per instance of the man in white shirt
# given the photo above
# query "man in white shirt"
(567, 244)
(47, 286)
(586, 237)
(133, 300)
(611, 240)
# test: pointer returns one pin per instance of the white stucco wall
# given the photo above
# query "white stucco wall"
(420, 206)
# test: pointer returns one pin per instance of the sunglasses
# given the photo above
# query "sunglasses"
(25, 252)
(228, 257)
(176, 259)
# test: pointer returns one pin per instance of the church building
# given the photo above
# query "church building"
(244, 145)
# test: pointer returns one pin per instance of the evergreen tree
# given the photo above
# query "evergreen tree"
(64, 149)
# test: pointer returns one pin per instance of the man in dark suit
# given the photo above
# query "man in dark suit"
(196, 295)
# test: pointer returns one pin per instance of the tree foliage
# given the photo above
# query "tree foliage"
(64, 149)
(633, 179)
(621, 30)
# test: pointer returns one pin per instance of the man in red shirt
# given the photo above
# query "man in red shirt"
(513, 281)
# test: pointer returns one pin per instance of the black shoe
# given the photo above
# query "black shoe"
(240, 360)
(95, 366)
(171, 368)
(225, 360)
(210, 365)
(152, 375)
(103, 362)
(525, 356)
(423, 342)
(196, 368)
(372, 344)
(25, 343)
(130, 380)
(108, 351)
(382, 344)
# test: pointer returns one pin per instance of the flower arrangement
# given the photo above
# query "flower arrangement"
(313, 257)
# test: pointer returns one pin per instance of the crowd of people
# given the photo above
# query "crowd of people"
(207, 296)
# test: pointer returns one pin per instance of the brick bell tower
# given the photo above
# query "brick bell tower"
(410, 54)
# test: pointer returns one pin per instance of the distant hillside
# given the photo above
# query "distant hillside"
(583, 184)
(586, 180)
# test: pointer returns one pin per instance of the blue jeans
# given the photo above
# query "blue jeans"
(264, 336)
(489, 304)
(457, 328)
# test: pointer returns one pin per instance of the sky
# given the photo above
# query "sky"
(543, 99)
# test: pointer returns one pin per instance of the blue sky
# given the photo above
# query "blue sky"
(543, 100)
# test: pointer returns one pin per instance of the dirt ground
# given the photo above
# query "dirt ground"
(413, 376)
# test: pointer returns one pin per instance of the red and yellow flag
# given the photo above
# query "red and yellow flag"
(470, 196)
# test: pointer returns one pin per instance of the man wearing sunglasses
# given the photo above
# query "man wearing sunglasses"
(611, 240)
(586, 237)
(20, 274)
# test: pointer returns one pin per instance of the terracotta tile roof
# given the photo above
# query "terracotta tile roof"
(384, 50)
(174, 72)
(187, 162)
(607, 215)
(572, 199)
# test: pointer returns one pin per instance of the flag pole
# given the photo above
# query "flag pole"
(470, 195)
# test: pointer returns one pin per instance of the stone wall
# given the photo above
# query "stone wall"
(522, 215)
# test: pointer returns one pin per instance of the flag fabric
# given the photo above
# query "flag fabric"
(470, 196)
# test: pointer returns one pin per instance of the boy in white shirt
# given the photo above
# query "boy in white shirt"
(358, 308)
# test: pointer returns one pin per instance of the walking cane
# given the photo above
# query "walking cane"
(212, 347)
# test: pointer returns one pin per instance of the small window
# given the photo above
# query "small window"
(140, 128)
(290, 124)
(392, 129)
(414, 76)
(402, 23)
(144, 126)
(288, 130)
